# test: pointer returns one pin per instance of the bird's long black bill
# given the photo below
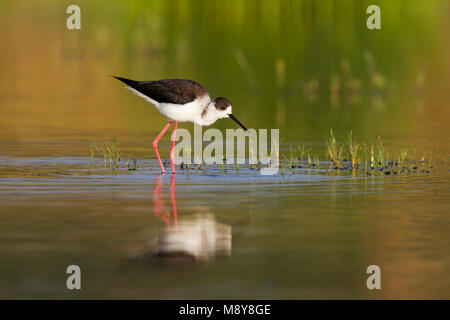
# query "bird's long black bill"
(237, 121)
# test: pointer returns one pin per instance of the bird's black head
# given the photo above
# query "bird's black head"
(223, 110)
(222, 104)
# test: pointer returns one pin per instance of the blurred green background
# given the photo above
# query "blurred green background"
(302, 66)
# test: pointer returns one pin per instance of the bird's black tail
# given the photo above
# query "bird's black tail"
(128, 82)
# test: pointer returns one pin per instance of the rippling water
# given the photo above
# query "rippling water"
(137, 234)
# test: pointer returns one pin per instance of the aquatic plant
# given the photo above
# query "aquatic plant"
(403, 155)
(333, 151)
(292, 155)
(366, 158)
(316, 161)
(292, 158)
(111, 153)
(380, 153)
(131, 165)
(302, 150)
(360, 156)
(372, 157)
(91, 153)
(353, 148)
(431, 161)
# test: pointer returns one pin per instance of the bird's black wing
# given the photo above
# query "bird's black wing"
(177, 91)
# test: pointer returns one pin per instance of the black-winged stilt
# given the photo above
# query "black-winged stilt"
(181, 100)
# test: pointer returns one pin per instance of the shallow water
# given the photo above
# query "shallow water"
(138, 234)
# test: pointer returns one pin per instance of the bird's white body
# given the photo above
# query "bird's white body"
(201, 111)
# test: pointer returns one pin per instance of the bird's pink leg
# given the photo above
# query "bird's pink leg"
(173, 145)
(155, 144)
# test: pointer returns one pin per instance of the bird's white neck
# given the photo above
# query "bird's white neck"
(208, 116)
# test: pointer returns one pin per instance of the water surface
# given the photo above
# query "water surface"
(138, 234)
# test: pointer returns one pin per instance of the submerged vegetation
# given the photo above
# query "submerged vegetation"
(366, 158)
(111, 155)
(334, 152)
(347, 155)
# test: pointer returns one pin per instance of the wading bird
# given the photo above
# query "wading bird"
(181, 100)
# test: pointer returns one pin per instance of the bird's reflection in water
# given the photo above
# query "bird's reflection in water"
(199, 237)
(159, 208)
(186, 239)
